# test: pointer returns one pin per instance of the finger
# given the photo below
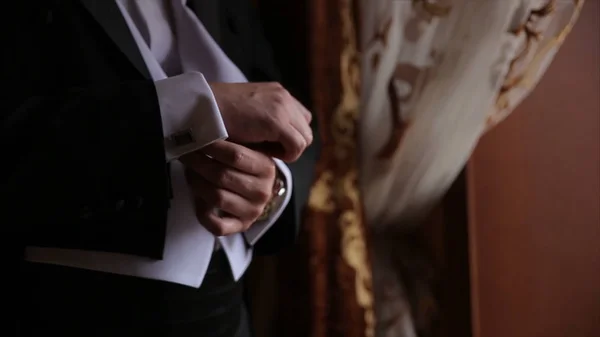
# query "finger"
(227, 201)
(246, 162)
(241, 158)
(300, 120)
(305, 113)
(303, 128)
(218, 226)
(255, 189)
(293, 143)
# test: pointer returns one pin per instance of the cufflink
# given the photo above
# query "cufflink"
(182, 138)
(276, 197)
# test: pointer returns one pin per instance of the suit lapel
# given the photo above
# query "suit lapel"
(208, 11)
(108, 15)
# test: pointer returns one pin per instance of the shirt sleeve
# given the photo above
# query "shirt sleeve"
(259, 228)
(190, 115)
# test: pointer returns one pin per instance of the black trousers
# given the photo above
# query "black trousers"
(61, 301)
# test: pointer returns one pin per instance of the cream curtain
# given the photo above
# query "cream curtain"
(435, 75)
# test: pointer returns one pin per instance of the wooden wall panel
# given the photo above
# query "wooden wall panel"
(534, 190)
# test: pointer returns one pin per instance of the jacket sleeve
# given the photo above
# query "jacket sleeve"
(83, 167)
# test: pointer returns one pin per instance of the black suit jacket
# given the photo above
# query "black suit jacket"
(81, 132)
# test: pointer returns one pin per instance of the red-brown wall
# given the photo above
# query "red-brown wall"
(534, 199)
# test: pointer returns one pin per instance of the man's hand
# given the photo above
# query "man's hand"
(265, 117)
(232, 178)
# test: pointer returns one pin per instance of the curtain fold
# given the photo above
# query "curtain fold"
(436, 76)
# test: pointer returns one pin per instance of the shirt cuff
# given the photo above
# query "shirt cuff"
(190, 115)
(259, 228)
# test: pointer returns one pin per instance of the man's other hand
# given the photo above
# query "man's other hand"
(264, 116)
(232, 178)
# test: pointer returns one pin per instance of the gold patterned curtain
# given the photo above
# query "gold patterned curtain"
(403, 89)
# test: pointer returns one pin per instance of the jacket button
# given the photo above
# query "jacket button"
(233, 27)
(139, 202)
(86, 212)
(119, 205)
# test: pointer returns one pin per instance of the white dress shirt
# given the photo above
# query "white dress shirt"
(181, 57)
